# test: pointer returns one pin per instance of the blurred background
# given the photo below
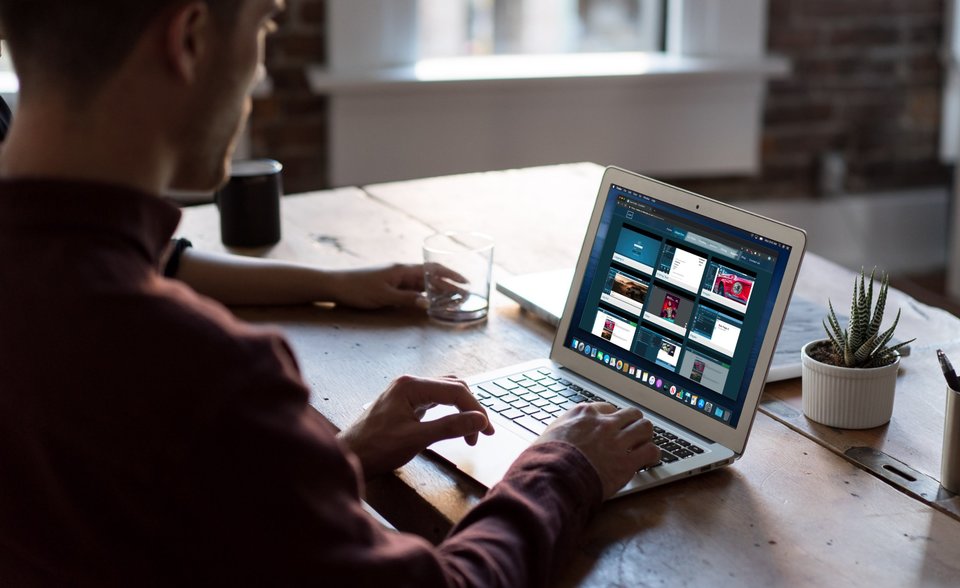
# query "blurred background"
(840, 116)
(862, 98)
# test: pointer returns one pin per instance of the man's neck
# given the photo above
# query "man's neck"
(50, 141)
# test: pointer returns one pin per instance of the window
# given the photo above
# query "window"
(9, 85)
(613, 106)
(5, 64)
(450, 28)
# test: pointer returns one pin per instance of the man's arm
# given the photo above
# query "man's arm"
(282, 499)
(238, 280)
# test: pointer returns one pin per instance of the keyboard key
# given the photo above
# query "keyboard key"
(567, 405)
(537, 389)
(549, 420)
(519, 403)
(552, 408)
(517, 377)
(527, 383)
(509, 398)
(493, 389)
(546, 371)
(670, 436)
(495, 404)
(557, 387)
(541, 416)
(548, 395)
(657, 429)
(504, 383)
(531, 424)
(530, 409)
(566, 382)
(535, 376)
(695, 449)
(512, 413)
(577, 398)
(665, 456)
(683, 443)
(683, 453)
(671, 447)
(540, 402)
(529, 397)
(481, 394)
(566, 392)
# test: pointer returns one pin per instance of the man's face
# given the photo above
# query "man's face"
(222, 97)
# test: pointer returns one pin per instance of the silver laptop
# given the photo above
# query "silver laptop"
(544, 294)
(675, 308)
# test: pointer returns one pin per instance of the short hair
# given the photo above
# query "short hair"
(82, 42)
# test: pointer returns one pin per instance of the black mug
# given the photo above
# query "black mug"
(250, 204)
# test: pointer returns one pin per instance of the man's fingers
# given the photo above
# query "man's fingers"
(411, 276)
(637, 432)
(464, 424)
(441, 271)
(602, 407)
(452, 392)
(404, 298)
(646, 454)
(628, 416)
(447, 390)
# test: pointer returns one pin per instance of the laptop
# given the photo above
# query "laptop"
(675, 306)
(543, 294)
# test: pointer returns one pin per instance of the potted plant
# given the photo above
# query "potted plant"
(849, 378)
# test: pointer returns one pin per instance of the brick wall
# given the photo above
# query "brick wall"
(865, 87)
(291, 124)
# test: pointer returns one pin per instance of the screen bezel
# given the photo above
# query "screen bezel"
(733, 438)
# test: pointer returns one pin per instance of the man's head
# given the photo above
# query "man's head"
(81, 43)
(188, 64)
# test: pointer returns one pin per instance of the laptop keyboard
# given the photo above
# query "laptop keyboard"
(535, 399)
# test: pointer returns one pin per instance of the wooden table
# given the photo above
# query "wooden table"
(794, 510)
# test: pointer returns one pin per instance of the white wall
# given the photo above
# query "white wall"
(677, 129)
(686, 125)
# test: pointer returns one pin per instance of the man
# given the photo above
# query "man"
(146, 435)
(236, 280)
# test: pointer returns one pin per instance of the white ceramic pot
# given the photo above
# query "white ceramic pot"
(847, 398)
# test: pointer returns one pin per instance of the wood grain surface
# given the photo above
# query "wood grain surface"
(792, 511)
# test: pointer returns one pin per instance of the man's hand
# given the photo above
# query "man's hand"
(397, 285)
(616, 442)
(391, 433)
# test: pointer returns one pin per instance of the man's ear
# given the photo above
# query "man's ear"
(187, 39)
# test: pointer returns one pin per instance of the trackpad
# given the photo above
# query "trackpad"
(488, 460)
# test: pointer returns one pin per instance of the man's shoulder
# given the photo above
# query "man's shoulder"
(204, 327)
(185, 337)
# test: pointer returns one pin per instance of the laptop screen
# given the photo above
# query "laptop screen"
(677, 302)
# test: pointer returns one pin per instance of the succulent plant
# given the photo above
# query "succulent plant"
(862, 345)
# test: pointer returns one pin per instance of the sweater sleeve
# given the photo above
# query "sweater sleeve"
(280, 504)
(527, 523)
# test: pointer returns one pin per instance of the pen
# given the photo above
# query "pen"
(948, 373)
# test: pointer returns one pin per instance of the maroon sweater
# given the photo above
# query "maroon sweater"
(149, 437)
